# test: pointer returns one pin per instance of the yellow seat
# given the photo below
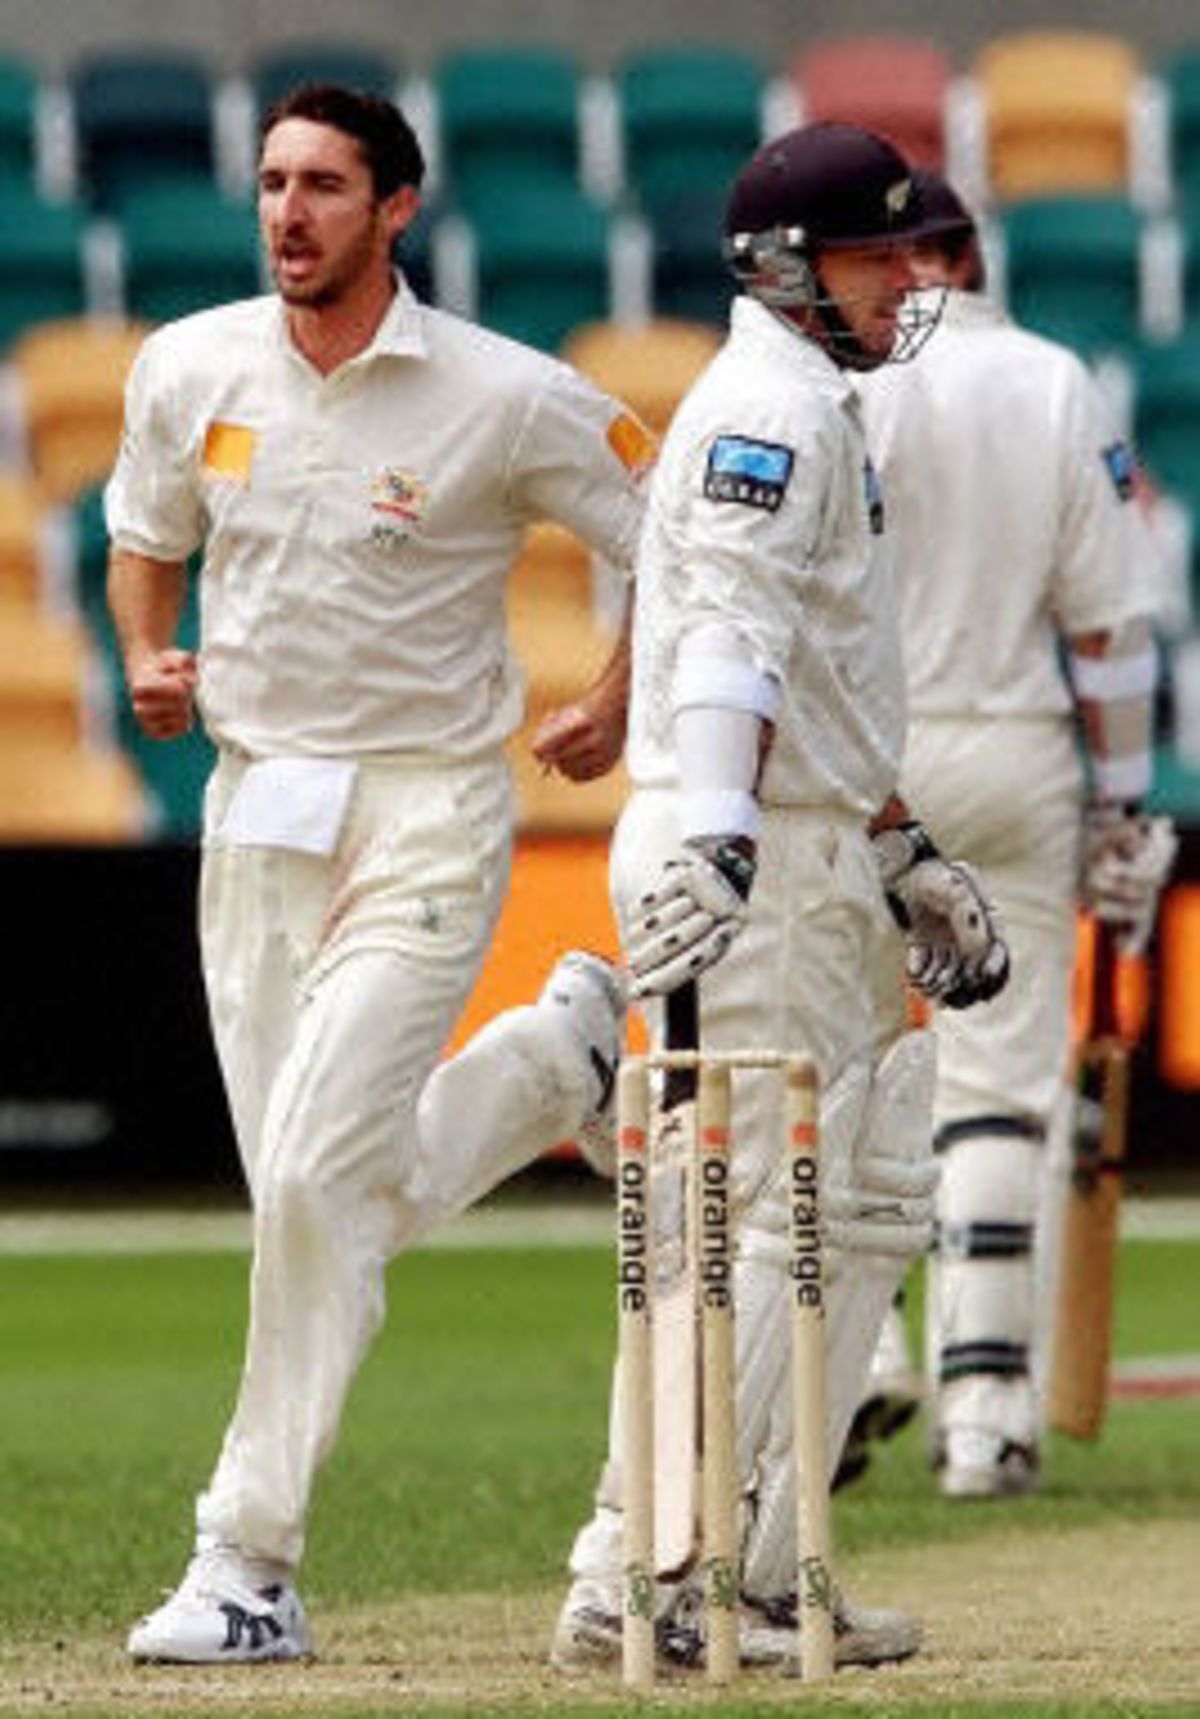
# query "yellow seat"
(43, 678)
(1058, 110)
(649, 368)
(562, 646)
(72, 375)
(558, 638)
(56, 794)
(22, 509)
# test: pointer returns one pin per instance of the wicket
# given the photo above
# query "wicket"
(710, 1235)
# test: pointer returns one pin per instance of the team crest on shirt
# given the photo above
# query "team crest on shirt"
(873, 492)
(398, 500)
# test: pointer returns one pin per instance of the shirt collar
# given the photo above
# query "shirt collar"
(750, 320)
(401, 334)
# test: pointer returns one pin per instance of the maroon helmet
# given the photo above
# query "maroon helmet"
(819, 188)
(837, 184)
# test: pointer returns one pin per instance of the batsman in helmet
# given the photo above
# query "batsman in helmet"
(764, 850)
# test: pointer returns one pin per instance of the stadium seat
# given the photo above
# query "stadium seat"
(185, 247)
(1180, 79)
(895, 85)
(57, 795)
(71, 376)
(140, 116)
(22, 525)
(1166, 425)
(505, 117)
(1058, 111)
(44, 272)
(274, 72)
(689, 279)
(650, 368)
(562, 647)
(18, 121)
(43, 678)
(688, 118)
(1073, 270)
(541, 263)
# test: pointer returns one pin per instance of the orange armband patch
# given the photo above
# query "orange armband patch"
(229, 450)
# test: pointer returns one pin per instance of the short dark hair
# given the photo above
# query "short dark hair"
(387, 141)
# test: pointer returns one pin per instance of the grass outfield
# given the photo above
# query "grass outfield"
(469, 1450)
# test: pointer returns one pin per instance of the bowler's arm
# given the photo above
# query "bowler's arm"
(145, 598)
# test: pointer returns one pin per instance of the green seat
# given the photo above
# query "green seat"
(272, 74)
(43, 273)
(18, 121)
(174, 772)
(141, 116)
(1073, 270)
(1189, 227)
(689, 117)
(507, 116)
(541, 263)
(689, 278)
(1180, 78)
(1176, 789)
(1166, 424)
(184, 248)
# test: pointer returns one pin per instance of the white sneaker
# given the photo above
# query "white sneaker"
(862, 1635)
(591, 992)
(973, 1462)
(226, 1611)
(588, 1632)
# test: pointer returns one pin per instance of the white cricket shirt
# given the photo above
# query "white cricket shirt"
(764, 513)
(358, 527)
(1004, 490)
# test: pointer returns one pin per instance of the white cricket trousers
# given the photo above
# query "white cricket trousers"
(333, 985)
(1003, 793)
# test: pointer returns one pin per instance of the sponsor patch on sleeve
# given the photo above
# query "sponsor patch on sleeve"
(753, 473)
(1121, 468)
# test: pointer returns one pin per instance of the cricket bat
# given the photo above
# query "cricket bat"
(1078, 1385)
(676, 1370)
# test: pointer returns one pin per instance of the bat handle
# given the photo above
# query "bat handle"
(682, 1034)
(1105, 1017)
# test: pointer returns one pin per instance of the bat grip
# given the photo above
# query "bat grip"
(1105, 1021)
(682, 1034)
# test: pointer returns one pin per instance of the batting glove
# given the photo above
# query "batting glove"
(687, 923)
(957, 955)
(1127, 857)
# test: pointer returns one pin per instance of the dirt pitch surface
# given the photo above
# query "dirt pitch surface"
(1089, 1616)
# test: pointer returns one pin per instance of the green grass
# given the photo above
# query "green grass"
(470, 1446)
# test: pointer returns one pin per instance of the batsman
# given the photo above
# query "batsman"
(1024, 573)
(764, 850)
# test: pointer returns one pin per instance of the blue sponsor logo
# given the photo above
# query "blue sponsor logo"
(753, 473)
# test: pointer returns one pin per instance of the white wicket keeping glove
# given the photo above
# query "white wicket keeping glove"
(957, 955)
(1127, 857)
(688, 922)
